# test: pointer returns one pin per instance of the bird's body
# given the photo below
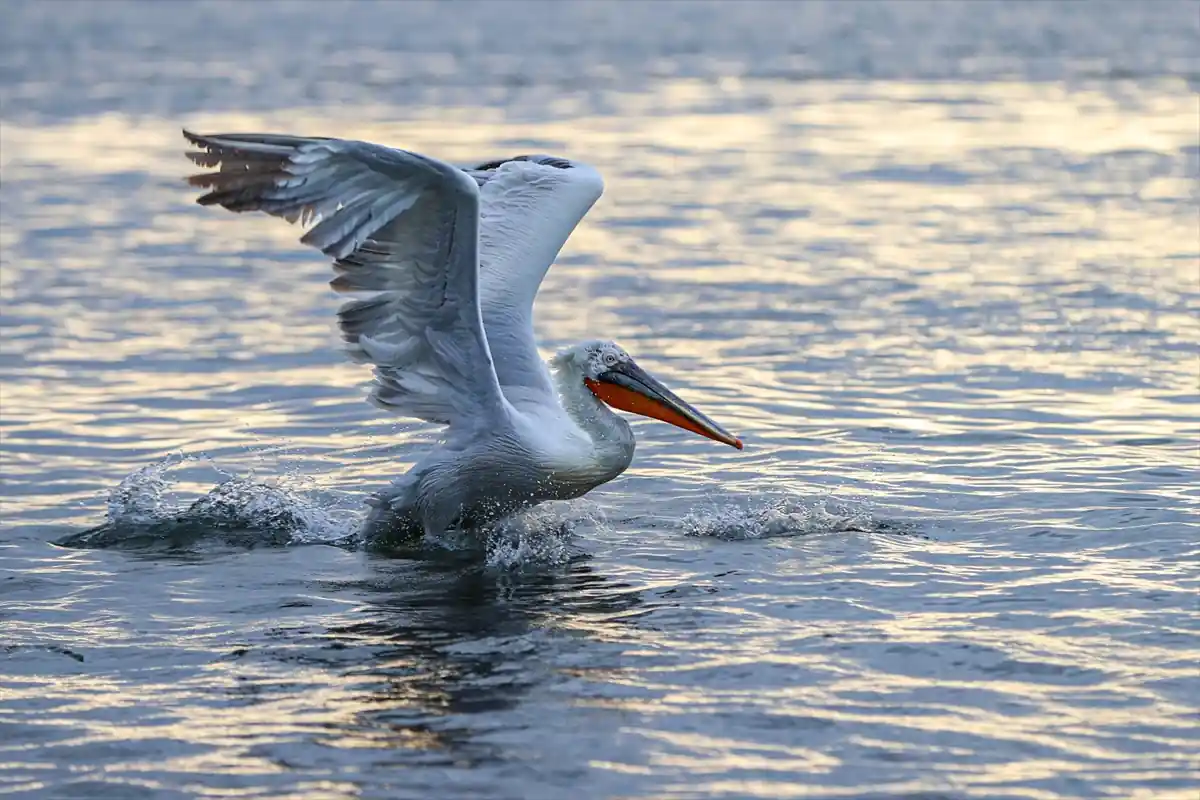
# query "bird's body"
(446, 263)
(552, 452)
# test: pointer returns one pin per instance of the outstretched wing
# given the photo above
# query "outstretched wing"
(402, 228)
(529, 206)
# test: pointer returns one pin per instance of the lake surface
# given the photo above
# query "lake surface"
(937, 264)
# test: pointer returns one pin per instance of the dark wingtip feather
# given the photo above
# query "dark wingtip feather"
(203, 158)
(195, 138)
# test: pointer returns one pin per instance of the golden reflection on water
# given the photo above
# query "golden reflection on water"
(917, 134)
(729, 250)
(862, 279)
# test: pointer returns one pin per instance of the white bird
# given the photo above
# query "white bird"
(449, 261)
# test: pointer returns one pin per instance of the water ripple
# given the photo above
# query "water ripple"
(935, 262)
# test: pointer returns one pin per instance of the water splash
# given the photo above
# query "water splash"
(145, 509)
(242, 504)
(540, 535)
(139, 498)
(781, 517)
(149, 507)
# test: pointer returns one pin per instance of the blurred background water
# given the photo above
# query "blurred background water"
(938, 263)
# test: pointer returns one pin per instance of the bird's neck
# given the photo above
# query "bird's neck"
(612, 438)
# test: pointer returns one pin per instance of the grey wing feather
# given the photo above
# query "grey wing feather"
(400, 226)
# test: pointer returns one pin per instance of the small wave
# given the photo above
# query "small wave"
(146, 509)
(782, 517)
(540, 535)
(536, 537)
(150, 508)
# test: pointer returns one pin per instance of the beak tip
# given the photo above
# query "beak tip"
(738, 444)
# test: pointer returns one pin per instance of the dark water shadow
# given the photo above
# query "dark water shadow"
(441, 653)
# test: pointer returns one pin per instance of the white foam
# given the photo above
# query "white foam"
(780, 517)
(149, 498)
(540, 535)
(278, 514)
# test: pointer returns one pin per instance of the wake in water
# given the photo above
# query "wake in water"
(150, 509)
(785, 516)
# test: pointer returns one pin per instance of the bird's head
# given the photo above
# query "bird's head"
(615, 378)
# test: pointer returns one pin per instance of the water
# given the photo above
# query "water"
(937, 264)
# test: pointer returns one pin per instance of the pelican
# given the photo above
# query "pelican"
(444, 264)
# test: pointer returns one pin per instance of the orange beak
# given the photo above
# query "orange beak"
(628, 388)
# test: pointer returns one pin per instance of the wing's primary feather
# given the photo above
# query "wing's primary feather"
(400, 225)
(529, 206)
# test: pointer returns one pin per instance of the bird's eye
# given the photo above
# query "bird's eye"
(610, 359)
